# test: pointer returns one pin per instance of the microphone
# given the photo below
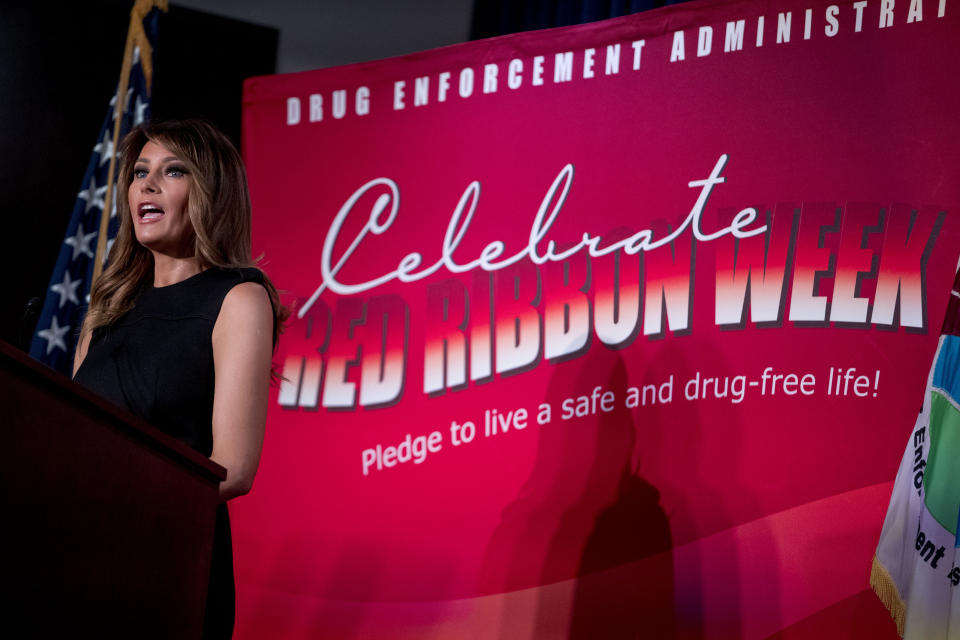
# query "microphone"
(31, 313)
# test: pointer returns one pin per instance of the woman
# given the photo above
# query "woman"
(181, 327)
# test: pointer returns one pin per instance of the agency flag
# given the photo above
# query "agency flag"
(94, 223)
(915, 571)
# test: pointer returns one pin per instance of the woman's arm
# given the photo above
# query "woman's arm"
(242, 352)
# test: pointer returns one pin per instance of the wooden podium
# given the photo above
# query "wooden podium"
(108, 521)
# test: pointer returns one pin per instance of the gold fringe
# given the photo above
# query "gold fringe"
(886, 589)
(138, 37)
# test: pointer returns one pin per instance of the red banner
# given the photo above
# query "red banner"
(610, 330)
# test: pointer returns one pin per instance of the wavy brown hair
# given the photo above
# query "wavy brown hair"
(218, 206)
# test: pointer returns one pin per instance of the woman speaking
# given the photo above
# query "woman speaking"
(181, 325)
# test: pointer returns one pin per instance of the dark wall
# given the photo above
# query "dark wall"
(59, 66)
(202, 62)
(500, 17)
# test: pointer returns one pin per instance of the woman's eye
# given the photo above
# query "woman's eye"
(176, 171)
(139, 173)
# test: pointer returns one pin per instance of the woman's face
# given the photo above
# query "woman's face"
(158, 197)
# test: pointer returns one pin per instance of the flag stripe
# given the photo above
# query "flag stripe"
(942, 497)
(946, 374)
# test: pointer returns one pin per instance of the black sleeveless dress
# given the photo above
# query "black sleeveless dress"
(157, 362)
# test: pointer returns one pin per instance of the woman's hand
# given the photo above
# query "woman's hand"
(242, 353)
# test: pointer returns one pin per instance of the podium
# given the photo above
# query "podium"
(109, 522)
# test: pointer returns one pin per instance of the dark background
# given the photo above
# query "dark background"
(60, 62)
(59, 66)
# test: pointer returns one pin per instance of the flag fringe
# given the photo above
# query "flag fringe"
(886, 589)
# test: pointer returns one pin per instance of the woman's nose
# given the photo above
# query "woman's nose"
(149, 184)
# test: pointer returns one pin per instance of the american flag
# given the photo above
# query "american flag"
(68, 293)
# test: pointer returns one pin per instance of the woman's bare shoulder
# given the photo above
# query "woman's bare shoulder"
(246, 307)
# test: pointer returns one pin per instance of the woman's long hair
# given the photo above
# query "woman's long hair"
(218, 206)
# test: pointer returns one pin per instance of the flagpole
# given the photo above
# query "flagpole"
(136, 37)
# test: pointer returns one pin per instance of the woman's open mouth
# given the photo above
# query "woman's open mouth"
(149, 212)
